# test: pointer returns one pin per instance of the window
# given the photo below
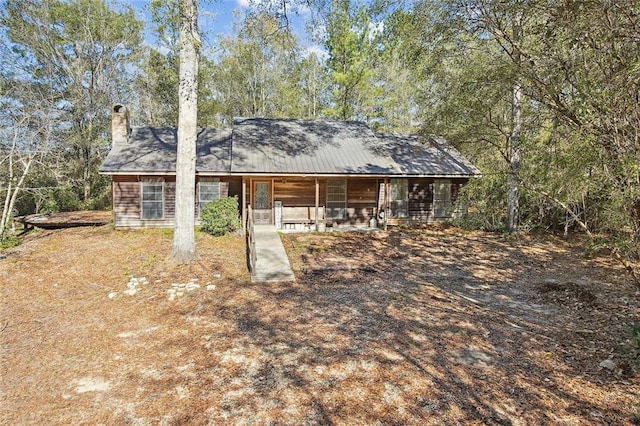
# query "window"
(399, 197)
(209, 191)
(152, 198)
(262, 196)
(336, 198)
(442, 198)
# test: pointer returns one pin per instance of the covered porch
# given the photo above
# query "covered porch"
(313, 203)
(320, 202)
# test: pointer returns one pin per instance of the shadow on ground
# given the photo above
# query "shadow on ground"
(404, 327)
(418, 328)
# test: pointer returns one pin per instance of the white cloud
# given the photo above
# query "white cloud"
(319, 51)
(303, 9)
(163, 50)
(376, 28)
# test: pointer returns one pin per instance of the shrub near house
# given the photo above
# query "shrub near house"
(219, 217)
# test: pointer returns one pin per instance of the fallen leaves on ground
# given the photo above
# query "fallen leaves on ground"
(428, 326)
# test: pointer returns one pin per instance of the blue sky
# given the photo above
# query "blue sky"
(217, 17)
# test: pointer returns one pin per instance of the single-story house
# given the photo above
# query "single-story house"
(300, 174)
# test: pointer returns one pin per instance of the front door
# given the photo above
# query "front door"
(262, 203)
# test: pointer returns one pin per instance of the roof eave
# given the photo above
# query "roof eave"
(270, 174)
(136, 172)
(363, 175)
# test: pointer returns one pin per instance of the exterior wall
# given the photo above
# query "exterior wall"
(127, 200)
(362, 201)
(365, 200)
(420, 204)
(127, 203)
(458, 209)
(224, 192)
(298, 192)
(298, 197)
(170, 199)
(235, 187)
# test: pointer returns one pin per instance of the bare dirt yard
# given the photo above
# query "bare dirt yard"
(430, 326)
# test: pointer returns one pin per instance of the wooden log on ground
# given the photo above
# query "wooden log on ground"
(66, 219)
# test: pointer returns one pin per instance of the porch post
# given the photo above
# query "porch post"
(386, 201)
(317, 203)
(244, 204)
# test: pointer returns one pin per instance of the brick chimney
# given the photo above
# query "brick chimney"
(120, 125)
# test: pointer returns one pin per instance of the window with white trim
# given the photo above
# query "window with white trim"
(442, 198)
(336, 198)
(209, 191)
(399, 197)
(152, 198)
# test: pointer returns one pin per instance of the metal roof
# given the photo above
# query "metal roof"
(269, 146)
(260, 146)
(153, 150)
(418, 155)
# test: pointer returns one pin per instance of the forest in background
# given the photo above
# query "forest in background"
(543, 96)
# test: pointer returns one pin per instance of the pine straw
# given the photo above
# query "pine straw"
(404, 327)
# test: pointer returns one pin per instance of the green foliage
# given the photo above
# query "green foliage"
(72, 59)
(157, 85)
(352, 54)
(261, 71)
(485, 202)
(9, 242)
(165, 16)
(220, 217)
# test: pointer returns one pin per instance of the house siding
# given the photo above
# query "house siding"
(126, 197)
(170, 198)
(235, 187)
(421, 199)
(224, 192)
(127, 200)
(459, 209)
(420, 203)
(298, 192)
(362, 201)
(298, 197)
(365, 199)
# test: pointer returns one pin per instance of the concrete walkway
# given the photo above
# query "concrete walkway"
(272, 263)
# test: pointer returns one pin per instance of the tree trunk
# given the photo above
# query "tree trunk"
(12, 196)
(184, 246)
(12, 191)
(5, 208)
(86, 176)
(513, 207)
